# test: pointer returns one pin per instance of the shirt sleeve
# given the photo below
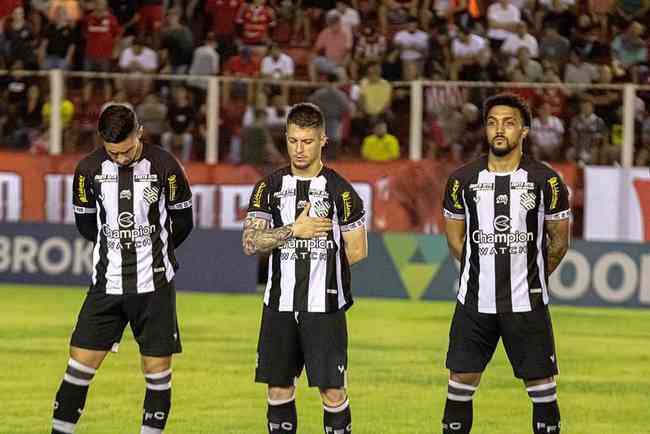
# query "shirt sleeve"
(259, 205)
(556, 198)
(350, 209)
(177, 188)
(452, 206)
(83, 194)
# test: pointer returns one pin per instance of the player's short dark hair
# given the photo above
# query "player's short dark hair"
(306, 115)
(116, 122)
(509, 100)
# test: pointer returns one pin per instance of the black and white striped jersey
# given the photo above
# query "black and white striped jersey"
(504, 259)
(308, 275)
(133, 251)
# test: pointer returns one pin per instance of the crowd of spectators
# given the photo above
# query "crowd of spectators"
(359, 54)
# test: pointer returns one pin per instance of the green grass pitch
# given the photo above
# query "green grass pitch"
(397, 380)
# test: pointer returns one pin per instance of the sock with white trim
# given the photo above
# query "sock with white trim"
(71, 397)
(157, 402)
(546, 413)
(338, 420)
(282, 416)
(459, 411)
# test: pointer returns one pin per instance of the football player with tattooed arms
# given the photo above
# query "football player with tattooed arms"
(134, 203)
(312, 223)
(508, 223)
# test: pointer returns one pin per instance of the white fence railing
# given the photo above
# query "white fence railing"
(417, 102)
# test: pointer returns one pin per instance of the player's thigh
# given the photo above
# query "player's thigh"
(473, 337)
(324, 339)
(100, 324)
(154, 323)
(279, 354)
(529, 343)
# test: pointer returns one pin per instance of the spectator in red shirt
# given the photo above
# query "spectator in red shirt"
(222, 15)
(101, 31)
(7, 7)
(150, 16)
(256, 19)
(332, 49)
(242, 65)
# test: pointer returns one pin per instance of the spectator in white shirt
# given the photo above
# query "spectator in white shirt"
(412, 43)
(520, 39)
(204, 62)
(503, 18)
(470, 52)
(277, 65)
(350, 17)
(138, 59)
(547, 134)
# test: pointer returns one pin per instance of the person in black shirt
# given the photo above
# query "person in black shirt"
(180, 117)
(59, 43)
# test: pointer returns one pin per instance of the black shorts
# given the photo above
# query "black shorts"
(152, 317)
(289, 341)
(527, 338)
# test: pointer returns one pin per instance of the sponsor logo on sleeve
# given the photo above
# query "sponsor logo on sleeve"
(554, 183)
(259, 194)
(173, 187)
(346, 196)
(82, 189)
(454, 194)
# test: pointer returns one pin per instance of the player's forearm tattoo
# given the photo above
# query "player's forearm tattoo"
(557, 246)
(257, 238)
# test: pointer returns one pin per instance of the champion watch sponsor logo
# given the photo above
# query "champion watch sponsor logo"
(502, 199)
(126, 194)
(125, 219)
(501, 223)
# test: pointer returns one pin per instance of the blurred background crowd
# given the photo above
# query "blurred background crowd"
(359, 55)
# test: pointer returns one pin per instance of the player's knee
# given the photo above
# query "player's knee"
(280, 394)
(333, 397)
(471, 378)
(153, 365)
(92, 359)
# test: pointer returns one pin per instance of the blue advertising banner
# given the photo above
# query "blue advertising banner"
(55, 254)
(419, 267)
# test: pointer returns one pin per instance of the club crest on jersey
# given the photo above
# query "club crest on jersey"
(528, 201)
(502, 199)
(322, 208)
(126, 194)
(150, 195)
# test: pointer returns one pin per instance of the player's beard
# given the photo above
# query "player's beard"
(501, 151)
